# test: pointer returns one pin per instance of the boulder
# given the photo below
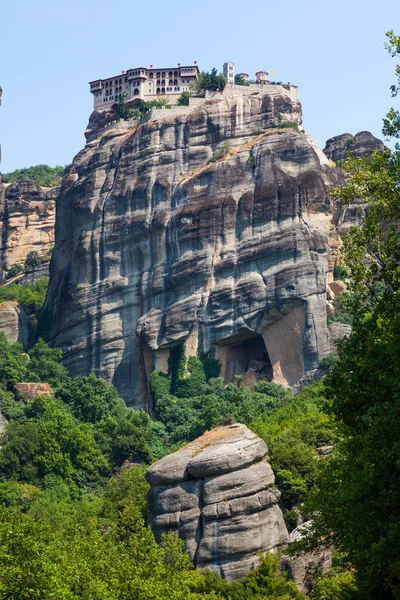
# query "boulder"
(26, 392)
(338, 287)
(14, 323)
(225, 506)
(305, 567)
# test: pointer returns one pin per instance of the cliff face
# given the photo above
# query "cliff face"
(362, 144)
(27, 218)
(208, 227)
(218, 494)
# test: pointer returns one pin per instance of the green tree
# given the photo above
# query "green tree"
(239, 80)
(40, 174)
(358, 490)
(184, 98)
(208, 81)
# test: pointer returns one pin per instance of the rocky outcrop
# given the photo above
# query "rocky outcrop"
(14, 323)
(337, 331)
(208, 228)
(27, 218)
(218, 494)
(26, 392)
(305, 567)
(362, 144)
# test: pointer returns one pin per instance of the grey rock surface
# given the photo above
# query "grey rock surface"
(14, 323)
(159, 241)
(363, 143)
(337, 331)
(27, 221)
(226, 519)
(302, 569)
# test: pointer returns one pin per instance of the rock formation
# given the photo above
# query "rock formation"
(26, 392)
(14, 323)
(27, 217)
(362, 144)
(208, 227)
(218, 494)
(305, 567)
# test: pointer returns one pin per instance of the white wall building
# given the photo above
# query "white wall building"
(145, 83)
(229, 72)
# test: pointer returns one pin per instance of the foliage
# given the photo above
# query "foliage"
(292, 433)
(261, 584)
(184, 98)
(14, 270)
(42, 175)
(340, 273)
(239, 80)
(221, 152)
(289, 125)
(343, 308)
(208, 81)
(32, 260)
(30, 296)
(358, 495)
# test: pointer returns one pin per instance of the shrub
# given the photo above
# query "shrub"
(289, 125)
(40, 174)
(340, 273)
(14, 270)
(184, 98)
(33, 259)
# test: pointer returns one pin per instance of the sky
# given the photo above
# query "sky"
(50, 50)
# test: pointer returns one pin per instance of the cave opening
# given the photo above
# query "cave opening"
(240, 353)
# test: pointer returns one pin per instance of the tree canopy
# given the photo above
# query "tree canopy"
(358, 490)
(42, 175)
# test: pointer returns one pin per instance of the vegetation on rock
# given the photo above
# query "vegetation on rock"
(42, 175)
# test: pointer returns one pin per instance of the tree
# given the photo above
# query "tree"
(184, 98)
(208, 81)
(359, 488)
(239, 80)
(33, 259)
(40, 174)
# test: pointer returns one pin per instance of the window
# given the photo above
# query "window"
(158, 91)
(170, 74)
(175, 73)
(158, 74)
(163, 74)
(126, 79)
(163, 90)
(151, 75)
(158, 82)
(163, 82)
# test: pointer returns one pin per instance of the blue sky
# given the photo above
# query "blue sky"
(334, 52)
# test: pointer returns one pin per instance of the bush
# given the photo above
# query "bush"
(14, 270)
(41, 174)
(30, 296)
(289, 125)
(340, 273)
(33, 259)
(184, 98)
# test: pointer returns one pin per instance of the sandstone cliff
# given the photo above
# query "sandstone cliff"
(208, 227)
(27, 218)
(218, 494)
